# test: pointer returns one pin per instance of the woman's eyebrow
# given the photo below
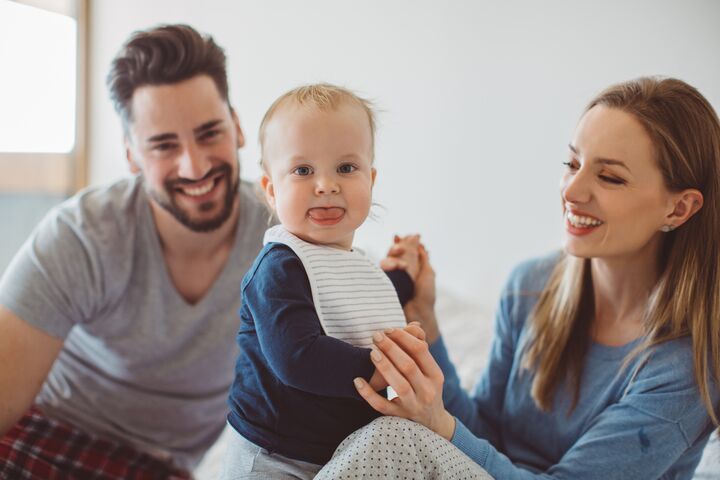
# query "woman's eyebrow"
(604, 161)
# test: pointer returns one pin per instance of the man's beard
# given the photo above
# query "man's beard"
(166, 200)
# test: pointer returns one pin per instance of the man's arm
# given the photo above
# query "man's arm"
(26, 355)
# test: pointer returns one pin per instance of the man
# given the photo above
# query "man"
(118, 315)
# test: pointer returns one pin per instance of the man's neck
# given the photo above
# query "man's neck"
(194, 260)
(177, 240)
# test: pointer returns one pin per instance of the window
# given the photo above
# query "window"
(42, 112)
(42, 94)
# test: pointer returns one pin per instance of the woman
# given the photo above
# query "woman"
(606, 358)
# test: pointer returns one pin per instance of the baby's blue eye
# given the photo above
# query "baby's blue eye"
(346, 168)
(302, 171)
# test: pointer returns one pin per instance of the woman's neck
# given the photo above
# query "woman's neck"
(621, 289)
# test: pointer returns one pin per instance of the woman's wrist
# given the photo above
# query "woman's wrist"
(428, 322)
(446, 426)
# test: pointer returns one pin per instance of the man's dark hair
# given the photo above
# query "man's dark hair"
(163, 55)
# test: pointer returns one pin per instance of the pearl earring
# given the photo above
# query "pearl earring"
(667, 228)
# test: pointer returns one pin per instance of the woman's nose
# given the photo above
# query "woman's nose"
(575, 187)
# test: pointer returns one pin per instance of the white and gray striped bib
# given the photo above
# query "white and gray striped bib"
(353, 297)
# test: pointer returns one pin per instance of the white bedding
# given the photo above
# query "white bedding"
(467, 330)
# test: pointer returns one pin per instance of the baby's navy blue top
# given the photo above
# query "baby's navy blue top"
(293, 392)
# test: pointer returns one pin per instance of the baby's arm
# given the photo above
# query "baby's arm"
(403, 283)
(279, 301)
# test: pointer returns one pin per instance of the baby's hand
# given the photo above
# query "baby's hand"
(404, 255)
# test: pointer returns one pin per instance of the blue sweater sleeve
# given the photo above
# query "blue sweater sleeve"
(481, 411)
(625, 441)
(646, 433)
(642, 436)
(279, 299)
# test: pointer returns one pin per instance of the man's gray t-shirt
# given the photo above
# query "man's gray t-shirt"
(139, 364)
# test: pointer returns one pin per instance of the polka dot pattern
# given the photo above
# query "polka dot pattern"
(399, 449)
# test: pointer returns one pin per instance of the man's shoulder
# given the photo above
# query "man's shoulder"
(99, 207)
(99, 222)
(254, 212)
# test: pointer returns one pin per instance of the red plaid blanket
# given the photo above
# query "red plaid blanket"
(44, 449)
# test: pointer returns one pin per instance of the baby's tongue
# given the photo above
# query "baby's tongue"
(326, 213)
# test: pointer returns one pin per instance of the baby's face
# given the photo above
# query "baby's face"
(319, 172)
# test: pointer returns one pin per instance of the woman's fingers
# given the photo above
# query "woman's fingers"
(401, 370)
(426, 391)
(399, 380)
(401, 245)
(419, 394)
(375, 400)
(425, 262)
(419, 351)
(414, 329)
(392, 263)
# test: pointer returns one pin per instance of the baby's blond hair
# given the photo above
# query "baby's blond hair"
(324, 97)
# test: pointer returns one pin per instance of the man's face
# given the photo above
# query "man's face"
(183, 138)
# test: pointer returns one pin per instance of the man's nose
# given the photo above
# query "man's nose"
(193, 163)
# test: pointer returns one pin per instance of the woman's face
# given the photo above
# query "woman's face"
(614, 198)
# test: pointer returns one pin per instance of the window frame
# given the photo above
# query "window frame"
(56, 173)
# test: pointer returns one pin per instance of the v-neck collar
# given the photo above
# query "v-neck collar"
(156, 247)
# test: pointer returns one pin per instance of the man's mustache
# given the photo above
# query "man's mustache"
(179, 182)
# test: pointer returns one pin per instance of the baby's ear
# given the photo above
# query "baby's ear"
(373, 173)
(268, 189)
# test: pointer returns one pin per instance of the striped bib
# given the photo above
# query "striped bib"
(353, 297)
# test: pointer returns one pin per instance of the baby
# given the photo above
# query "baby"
(310, 301)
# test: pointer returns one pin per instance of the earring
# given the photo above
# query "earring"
(667, 228)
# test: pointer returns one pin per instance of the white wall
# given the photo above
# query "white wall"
(478, 99)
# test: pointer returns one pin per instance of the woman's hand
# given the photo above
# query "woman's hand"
(377, 381)
(403, 255)
(405, 363)
(421, 308)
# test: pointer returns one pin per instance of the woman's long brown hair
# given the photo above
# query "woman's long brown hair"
(685, 132)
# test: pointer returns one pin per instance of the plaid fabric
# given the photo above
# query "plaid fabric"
(44, 449)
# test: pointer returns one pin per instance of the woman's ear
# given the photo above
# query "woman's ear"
(685, 204)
